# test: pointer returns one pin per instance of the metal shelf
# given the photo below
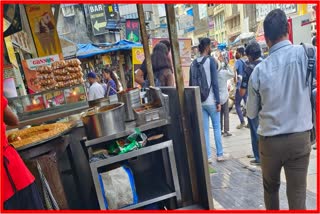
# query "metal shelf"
(150, 188)
(129, 130)
(132, 154)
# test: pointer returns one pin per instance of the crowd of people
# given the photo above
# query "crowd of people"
(279, 92)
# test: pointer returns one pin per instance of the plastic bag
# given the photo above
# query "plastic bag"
(118, 188)
(135, 141)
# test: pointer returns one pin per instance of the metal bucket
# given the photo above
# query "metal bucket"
(131, 99)
(104, 121)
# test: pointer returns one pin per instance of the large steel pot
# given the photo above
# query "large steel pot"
(131, 99)
(104, 121)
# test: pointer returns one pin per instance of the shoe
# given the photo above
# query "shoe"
(247, 126)
(315, 147)
(241, 126)
(224, 157)
(210, 160)
(254, 162)
(227, 134)
(250, 156)
(222, 132)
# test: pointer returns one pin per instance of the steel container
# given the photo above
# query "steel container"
(99, 102)
(131, 99)
(104, 121)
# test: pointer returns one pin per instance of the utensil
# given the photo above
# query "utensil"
(104, 121)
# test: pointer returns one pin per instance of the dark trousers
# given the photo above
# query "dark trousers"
(25, 199)
(291, 151)
(238, 99)
(224, 117)
(253, 124)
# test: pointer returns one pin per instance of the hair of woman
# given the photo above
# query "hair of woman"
(159, 58)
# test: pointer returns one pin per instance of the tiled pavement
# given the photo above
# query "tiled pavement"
(238, 185)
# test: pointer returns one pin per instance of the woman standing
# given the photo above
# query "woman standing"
(111, 84)
(161, 65)
(224, 74)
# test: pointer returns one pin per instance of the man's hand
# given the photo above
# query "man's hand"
(218, 107)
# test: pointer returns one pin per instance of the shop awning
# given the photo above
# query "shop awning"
(243, 36)
(89, 50)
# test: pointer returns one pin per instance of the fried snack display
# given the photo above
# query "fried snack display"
(45, 78)
(36, 134)
(69, 75)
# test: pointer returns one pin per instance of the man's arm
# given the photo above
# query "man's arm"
(214, 80)
(253, 101)
(9, 117)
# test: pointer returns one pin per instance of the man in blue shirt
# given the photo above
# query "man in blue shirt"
(279, 94)
(240, 67)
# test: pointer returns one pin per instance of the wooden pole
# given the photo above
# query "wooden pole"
(145, 43)
(173, 36)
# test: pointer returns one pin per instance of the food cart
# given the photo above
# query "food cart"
(100, 143)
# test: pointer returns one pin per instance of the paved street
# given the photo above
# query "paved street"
(238, 185)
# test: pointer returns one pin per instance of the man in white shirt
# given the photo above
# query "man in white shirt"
(96, 91)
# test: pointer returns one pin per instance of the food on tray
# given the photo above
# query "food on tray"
(73, 63)
(36, 134)
(144, 108)
(58, 64)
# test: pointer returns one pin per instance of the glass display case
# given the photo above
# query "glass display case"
(49, 102)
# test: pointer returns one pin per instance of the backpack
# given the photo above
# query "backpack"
(311, 53)
(198, 78)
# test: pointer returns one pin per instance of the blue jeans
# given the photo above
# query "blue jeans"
(211, 111)
(238, 104)
(253, 124)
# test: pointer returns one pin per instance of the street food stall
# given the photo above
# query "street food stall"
(149, 145)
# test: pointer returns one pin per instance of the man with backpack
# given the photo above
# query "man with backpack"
(240, 67)
(203, 73)
(280, 93)
(253, 52)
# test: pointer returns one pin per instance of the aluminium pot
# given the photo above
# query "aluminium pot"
(131, 99)
(104, 121)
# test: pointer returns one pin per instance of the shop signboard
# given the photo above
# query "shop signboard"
(262, 10)
(43, 28)
(98, 18)
(133, 30)
(202, 11)
(111, 11)
(137, 59)
(29, 68)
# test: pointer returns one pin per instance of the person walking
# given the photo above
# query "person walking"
(240, 67)
(96, 90)
(19, 189)
(211, 107)
(253, 52)
(224, 74)
(279, 92)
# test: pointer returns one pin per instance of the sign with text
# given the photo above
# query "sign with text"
(43, 28)
(98, 18)
(262, 10)
(137, 60)
(29, 68)
(133, 30)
